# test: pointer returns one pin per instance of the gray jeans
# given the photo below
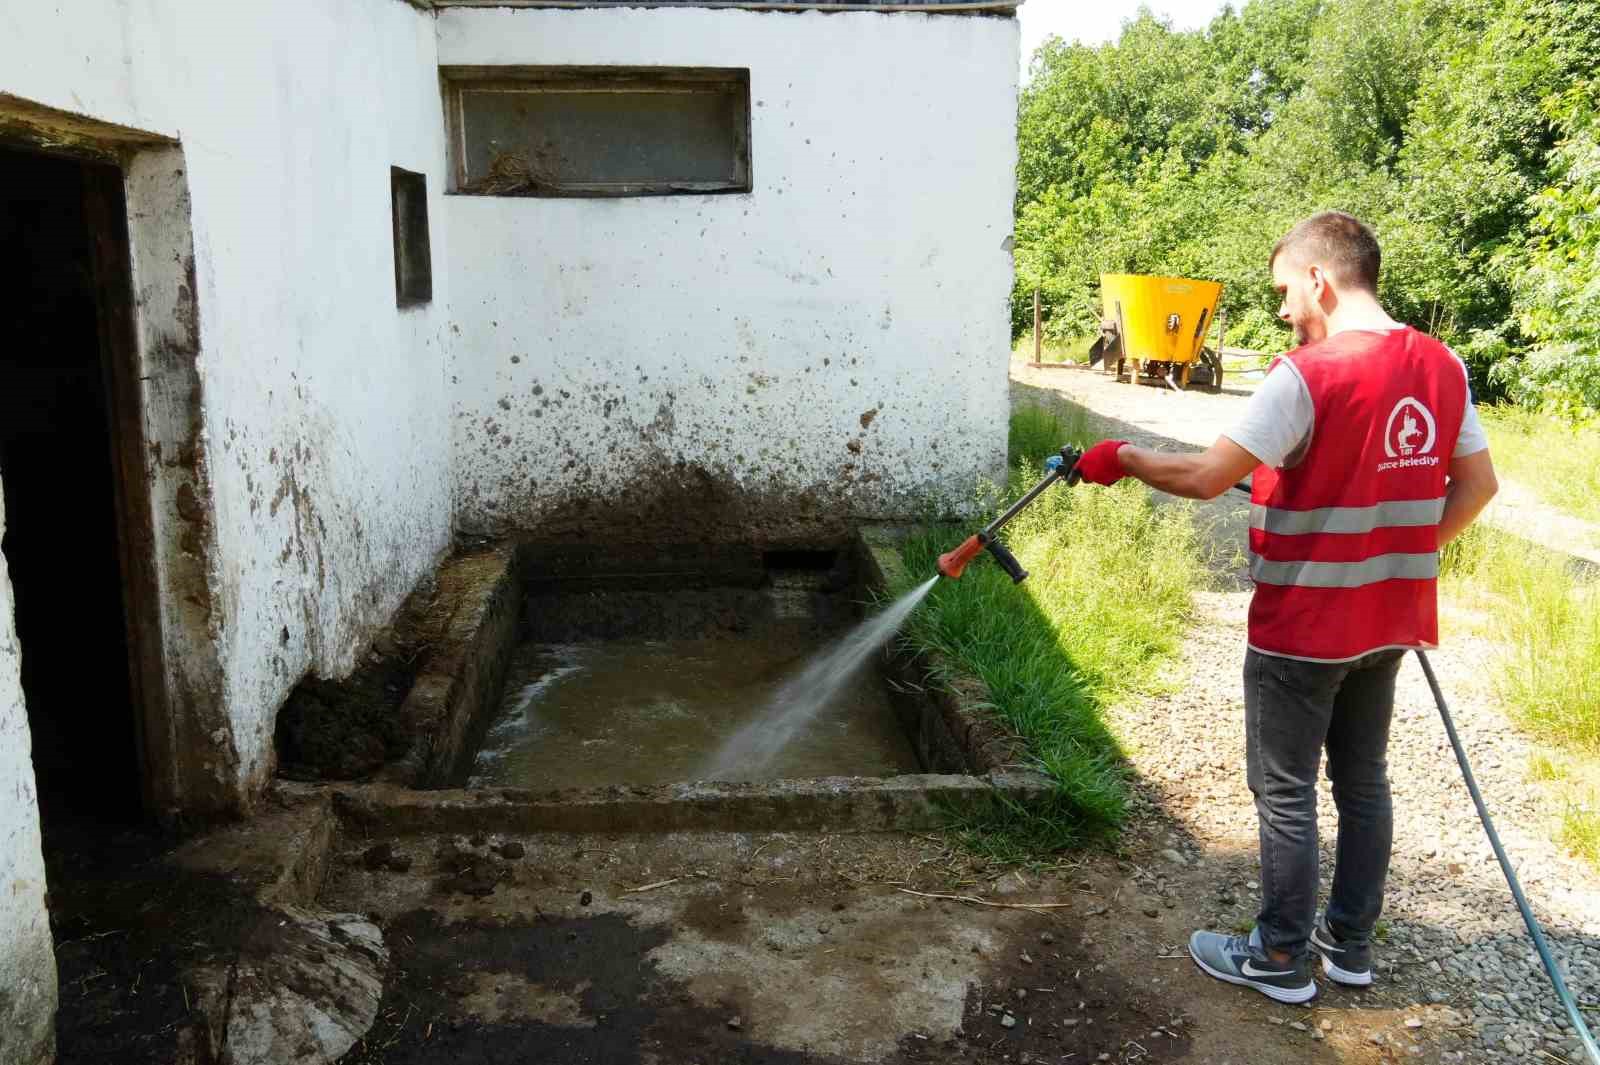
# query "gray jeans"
(1292, 711)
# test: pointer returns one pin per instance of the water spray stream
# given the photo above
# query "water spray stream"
(802, 696)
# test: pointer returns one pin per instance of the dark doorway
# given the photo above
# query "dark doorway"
(58, 448)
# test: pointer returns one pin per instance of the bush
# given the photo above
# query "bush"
(1259, 330)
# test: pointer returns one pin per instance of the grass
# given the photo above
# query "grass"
(1546, 619)
(1546, 770)
(1036, 433)
(1573, 782)
(1557, 460)
(1106, 602)
(1074, 350)
(1580, 832)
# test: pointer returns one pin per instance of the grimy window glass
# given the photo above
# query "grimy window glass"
(599, 132)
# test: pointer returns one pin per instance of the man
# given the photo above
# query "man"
(1367, 458)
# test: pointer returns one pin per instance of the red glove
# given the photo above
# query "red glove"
(1100, 464)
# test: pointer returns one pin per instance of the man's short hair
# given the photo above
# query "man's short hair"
(1341, 243)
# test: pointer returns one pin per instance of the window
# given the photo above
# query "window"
(413, 263)
(598, 131)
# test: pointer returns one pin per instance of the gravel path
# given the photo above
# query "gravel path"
(1456, 957)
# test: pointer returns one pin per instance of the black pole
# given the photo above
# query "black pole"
(1016, 508)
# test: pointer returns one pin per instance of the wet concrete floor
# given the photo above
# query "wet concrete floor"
(657, 712)
(768, 948)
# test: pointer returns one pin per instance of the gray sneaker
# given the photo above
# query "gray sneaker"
(1345, 961)
(1237, 960)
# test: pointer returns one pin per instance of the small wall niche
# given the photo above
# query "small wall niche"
(413, 261)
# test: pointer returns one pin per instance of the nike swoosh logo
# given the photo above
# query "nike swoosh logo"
(1324, 944)
(1249, 969)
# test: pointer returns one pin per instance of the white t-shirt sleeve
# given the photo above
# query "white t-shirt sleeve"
(1277, 422)
(1472, 439)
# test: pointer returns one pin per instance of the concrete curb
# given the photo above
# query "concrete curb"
(277, 857)
(458, 689)
(843, 804)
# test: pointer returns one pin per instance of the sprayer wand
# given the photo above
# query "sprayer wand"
(1574, 1014)
(953, 563)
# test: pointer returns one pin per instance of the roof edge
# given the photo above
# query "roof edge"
(930, 7)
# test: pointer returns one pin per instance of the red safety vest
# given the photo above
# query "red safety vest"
(1344, 546)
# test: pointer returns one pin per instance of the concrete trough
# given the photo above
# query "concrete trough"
(505, 598)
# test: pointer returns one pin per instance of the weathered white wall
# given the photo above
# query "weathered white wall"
(27, 955)
(627, 362)
(324, 407)
(831, 345)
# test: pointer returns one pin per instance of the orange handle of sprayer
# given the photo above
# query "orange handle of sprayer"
(952, 563)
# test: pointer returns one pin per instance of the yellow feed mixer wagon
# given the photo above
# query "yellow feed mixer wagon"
(1157, 326)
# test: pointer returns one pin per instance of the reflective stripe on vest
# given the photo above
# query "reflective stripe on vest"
(1417, 567)
(1409, 512)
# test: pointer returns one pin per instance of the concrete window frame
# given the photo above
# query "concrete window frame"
(697, 133)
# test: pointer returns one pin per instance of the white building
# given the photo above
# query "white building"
(335, 280)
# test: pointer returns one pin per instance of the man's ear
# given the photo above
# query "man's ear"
(1319, 283)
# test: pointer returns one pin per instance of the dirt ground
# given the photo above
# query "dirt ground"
(126, 930)
(759, 948)
(803, 948)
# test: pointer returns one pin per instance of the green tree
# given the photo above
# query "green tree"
(1558, 288)
(1462, 129)
(1089, 114)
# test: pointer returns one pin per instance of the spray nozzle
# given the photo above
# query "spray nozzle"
(953, 563)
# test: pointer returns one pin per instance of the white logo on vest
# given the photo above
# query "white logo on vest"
(1409, 436)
